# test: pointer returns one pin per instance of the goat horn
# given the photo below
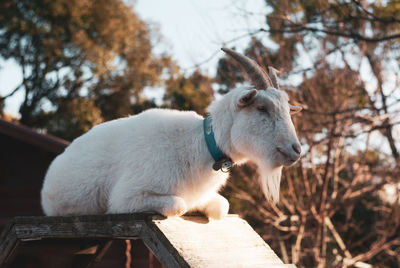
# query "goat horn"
(257, 76)
(273, 76)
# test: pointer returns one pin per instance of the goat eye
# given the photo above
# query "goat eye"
(295, 109)
(262, 109)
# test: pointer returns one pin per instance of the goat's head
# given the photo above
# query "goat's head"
(262, 128)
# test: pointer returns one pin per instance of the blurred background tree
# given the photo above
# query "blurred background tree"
(84, 62)
(193, 93)
(94, 49)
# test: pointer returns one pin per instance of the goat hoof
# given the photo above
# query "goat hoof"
(177, 207)
(218, 208)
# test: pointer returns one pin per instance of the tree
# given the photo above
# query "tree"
(193, 93)
(339, 62)
(72, 117)
(96, 49)
(366, 32)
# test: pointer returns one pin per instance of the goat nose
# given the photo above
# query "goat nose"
(297, 148)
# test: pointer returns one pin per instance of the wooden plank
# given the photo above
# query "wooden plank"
(158, 243)
(7, 247)
(8, 243)
(230, 242)
(122, 226)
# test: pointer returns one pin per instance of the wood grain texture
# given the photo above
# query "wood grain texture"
(122, 226)
(8, 244)
(188, 241)
(230, 242)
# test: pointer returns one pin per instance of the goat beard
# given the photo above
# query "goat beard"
(270, 180)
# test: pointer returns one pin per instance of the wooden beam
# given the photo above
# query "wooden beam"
(122, 226)
(8, 244)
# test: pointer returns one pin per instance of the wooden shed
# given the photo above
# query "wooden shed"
(135, 240)
(25, 155)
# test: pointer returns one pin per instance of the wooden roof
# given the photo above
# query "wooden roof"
(188, 241)
(31, 136)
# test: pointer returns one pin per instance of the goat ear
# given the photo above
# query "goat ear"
(247, 97)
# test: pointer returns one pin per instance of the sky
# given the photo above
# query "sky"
(196, 30)
(193, 32)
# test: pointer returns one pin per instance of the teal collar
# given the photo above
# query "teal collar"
(222, 162)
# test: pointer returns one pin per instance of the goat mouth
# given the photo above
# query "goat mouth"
(290, 159)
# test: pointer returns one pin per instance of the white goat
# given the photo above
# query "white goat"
(159, 160)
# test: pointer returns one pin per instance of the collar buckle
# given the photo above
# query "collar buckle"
(224, 164)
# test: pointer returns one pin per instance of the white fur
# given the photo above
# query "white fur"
(158, 160)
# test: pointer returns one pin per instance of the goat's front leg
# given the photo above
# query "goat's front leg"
(148, 201)
(216, 208)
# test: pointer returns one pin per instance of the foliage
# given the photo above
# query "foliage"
(194, 92)
(72, 118)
